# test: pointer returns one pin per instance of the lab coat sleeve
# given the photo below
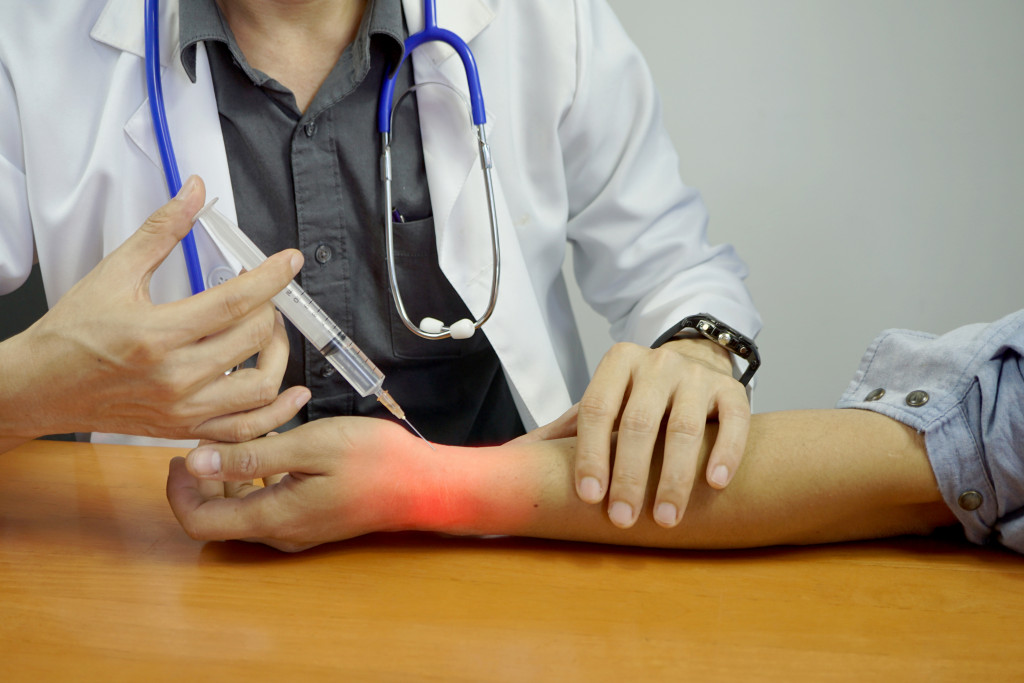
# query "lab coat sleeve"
(16, 243)
(639, 239)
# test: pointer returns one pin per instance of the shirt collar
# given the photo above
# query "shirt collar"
(201, 20)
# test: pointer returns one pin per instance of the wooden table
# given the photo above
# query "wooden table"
(98, 582)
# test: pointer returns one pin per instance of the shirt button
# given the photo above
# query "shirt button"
(916, 399)
(323, 254)
(875, 395)
(310, 129)
(969, 501)
(326, 370)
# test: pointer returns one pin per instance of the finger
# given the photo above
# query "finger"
(148, 246)
(561, 428)
(238, 489)
(258, 458)
(210, 489)
(273, 357)
(638, 431)
(212, 356)
(733, 429)
(246, 425)
(598, 410)
(262, 333)
(245, 389)
(684, 434)
(214, 518)
(220, 307)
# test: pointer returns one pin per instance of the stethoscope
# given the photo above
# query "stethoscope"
(429, 328)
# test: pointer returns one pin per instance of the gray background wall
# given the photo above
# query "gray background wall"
(866, 158)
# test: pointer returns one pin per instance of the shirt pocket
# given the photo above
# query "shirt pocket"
(426, 292)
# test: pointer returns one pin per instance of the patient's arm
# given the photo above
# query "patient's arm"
(808, 477)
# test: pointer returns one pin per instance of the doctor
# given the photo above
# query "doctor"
(273, 104)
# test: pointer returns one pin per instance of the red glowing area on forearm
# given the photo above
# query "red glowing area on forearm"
(464, 490)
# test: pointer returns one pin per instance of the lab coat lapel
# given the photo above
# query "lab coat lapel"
(122, 23)
(191, 108)
(516, 330)
(449, 131)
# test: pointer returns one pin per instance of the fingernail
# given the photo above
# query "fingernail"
(302, 398)
(296, 263)
(205, 461)
(621, 514)
(720, 475)
(590, 489)
(665, 514)
(187, 189)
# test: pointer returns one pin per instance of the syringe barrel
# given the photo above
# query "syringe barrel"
(323, 333)
(296, 305)
(230, 236)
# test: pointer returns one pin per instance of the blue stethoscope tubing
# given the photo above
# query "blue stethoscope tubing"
(430, 328)
(155, 90)
(431, 32)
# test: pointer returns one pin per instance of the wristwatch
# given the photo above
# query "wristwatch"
(723, 335)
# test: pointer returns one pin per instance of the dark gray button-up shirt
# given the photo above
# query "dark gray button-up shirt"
(311, 180)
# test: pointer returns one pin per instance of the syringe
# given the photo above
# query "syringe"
(315, 325)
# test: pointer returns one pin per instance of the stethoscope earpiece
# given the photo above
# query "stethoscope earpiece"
(432, 326)
(460, 329)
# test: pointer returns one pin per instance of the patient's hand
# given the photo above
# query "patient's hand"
(342, 477)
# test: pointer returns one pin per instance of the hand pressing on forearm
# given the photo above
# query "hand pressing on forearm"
(643, 394)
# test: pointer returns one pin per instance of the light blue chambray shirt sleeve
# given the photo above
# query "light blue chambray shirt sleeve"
(965, 391)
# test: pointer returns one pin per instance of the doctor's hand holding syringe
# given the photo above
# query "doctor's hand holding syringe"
(311, 320)
(105, 358)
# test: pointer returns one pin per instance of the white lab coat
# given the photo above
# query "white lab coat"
(574, 124)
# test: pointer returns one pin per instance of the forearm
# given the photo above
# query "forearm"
(807, 477)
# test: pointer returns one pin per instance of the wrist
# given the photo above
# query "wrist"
(474, 491)
(703, 351)
(441, 490)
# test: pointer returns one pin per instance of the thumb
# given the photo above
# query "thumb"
(148, 246)
(251, 459)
